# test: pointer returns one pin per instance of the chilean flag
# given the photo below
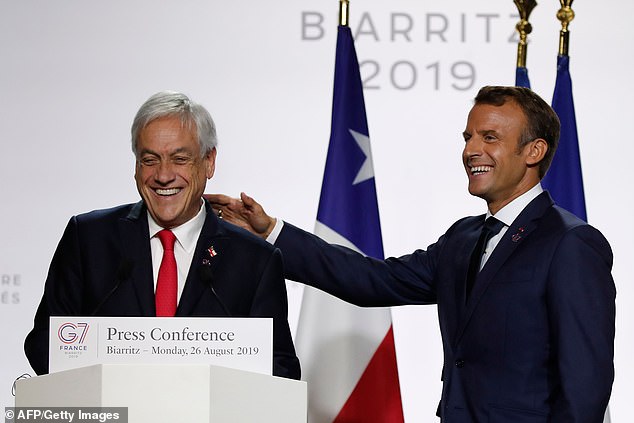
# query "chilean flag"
(347, 352)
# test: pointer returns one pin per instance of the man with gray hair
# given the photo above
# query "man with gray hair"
(169, 254)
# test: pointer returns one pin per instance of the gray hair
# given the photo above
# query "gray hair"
(192, 115)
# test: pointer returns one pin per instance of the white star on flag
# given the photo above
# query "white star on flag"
(366, 171)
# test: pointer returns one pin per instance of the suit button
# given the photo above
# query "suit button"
(460, 363)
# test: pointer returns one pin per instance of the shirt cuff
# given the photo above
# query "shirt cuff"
(279, 224)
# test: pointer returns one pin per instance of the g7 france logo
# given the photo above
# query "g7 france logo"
(70, 333)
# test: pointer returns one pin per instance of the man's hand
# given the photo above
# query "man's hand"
(244, 212)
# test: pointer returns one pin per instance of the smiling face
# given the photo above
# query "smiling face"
(170, 172)
(498, 170)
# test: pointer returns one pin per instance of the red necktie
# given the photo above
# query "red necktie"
(167, 284)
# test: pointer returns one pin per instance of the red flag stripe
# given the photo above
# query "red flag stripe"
(377, 395)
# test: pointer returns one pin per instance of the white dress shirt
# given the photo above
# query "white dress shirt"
(187, 236)
(507, 215)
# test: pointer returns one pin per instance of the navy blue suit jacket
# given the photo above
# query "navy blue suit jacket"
(534, 341)
(103, 266)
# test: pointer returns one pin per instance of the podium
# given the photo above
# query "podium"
(171, 393)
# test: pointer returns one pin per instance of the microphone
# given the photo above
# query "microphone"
(123, 273)
(205, 273)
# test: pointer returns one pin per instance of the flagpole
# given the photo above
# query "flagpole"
(565, 16)
(344, 6)
(525, 7)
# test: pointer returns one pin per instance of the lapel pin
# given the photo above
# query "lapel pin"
(516, 237)
(212, 253)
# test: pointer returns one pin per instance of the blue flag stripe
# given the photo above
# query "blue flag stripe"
(521, 77)
(564, 178)
(349, 209)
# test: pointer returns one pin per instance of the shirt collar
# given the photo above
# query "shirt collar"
(187, 233)
(509, 213)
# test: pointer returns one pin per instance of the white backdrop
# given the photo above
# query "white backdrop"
(74, 72)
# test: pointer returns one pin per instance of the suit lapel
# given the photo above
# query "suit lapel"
(135, 245)
(520, 229)
(212, 247)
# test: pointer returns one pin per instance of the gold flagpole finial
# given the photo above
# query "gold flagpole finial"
(344, 5)
(525, 7)
(565, 15)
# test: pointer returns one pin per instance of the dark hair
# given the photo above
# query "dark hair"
(541, 119)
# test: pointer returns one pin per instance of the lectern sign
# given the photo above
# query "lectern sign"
(239, 343)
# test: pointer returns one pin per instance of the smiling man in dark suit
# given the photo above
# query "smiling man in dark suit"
(109, 262)
(526, 310)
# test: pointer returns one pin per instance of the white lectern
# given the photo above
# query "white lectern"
(171, 393)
